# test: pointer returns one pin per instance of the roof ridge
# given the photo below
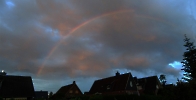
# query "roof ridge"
(67, 85)
(148, 76)
(112, 76)
(14, 76)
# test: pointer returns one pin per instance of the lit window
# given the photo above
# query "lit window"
(70, 91)
(76, 91)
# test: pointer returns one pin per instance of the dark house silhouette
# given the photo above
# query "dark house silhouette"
(148, 85)
(41, 95)
(16, 87)
(67, 91)
(118, 84)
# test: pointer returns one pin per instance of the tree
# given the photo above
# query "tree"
(50, 94)
(3, 73)
(162, 79)
(189, 60)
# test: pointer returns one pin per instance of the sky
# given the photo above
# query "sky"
(57, 42)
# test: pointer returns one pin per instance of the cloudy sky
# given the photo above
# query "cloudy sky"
(57, 42)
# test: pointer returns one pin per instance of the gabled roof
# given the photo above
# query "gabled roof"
(65, 89)
(16, 86)
(114, 83)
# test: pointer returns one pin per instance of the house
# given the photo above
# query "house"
(16, 87)
(118, 84)
(67, 91)
(41, 95)
(149, 85)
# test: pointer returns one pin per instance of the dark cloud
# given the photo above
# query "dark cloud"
(84, 40)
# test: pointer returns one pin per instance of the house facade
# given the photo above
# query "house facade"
(114, 85)
(148, 85)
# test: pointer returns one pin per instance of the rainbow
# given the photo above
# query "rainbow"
(87, 22)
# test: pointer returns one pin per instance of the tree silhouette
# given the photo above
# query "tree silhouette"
(3, 73)
(162, 79)
(50, 94)
(189, 60)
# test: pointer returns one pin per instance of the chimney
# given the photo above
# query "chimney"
(117, 73)
(74, 82)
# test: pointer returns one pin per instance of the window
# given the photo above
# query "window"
(70, 91)
(108, 87)
(139, 87)
(157, 86)
(131, 84)
(76, 91)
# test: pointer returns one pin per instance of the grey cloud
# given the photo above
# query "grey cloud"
(92, 37)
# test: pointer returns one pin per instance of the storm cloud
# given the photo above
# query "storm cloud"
(59, 41)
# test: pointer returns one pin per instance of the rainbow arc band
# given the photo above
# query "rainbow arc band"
(87, 22)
